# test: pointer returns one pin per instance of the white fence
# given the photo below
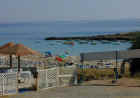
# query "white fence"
(56, 77)
(8, 83)
(67, 76)
(47, 78)
(26, 79)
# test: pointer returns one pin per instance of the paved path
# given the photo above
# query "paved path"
(85, 92)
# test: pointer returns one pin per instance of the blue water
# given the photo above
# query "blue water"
(33, 34)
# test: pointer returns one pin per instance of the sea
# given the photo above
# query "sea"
(32, 34)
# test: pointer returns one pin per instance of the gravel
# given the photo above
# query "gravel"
(84, 92)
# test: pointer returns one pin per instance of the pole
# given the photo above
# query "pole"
(116, 59)
(75, 76)
(36, 81)
(10, 61)
(82, 58)
(116, 71)
(58, 69)
(82, 62)
(18, 63)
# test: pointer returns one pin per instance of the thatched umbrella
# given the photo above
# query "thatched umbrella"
(5, 49)
(21, 50)
(8, 45)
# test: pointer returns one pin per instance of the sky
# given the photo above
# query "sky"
(52, 10)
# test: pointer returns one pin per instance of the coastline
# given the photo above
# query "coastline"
(119, 36)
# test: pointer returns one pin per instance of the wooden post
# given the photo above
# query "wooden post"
(75, 76)
(10, 61)
(116, 59)
(82, 61)
(17, 77)
(58, 84)
(2, 86)
(82, 58)
(36, 82)
(123, 67)
(116, 70)
(18, 63)
(46, 71)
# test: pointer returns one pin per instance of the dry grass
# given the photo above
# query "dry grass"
(129, 82)
(99, 74)
(4, 97)
(94, 74)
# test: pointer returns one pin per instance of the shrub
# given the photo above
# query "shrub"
(136, 42)
(95, 74)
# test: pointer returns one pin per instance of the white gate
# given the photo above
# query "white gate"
(67, 76)
(26, 80)
(8, 83)
(42, 79)
(52, 77)
(1, 84)
(47, 78)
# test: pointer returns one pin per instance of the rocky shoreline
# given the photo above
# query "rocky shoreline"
(121, 36)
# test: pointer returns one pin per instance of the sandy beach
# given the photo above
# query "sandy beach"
(84, 92)
(126, 88)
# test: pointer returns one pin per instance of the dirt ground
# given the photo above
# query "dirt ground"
(84, 92)
(123, 82)
(123, 88)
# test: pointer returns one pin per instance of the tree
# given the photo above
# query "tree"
(136, 42)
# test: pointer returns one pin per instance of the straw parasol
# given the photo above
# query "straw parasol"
(21, 50)
(7, 48)
(8, 45)
(18, 50)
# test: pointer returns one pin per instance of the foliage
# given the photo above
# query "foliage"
(98, 74)
(136, 41)
(137, 75)
(95, 74)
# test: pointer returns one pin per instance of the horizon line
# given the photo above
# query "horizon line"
(41, 21)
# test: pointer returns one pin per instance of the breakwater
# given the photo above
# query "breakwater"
(120, 36)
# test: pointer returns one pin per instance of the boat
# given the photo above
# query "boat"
(69, 42)
(83, 42)
(38, 41)
(124, 41)
(52, 44)
(93, 43)
(58, 41)
(105, 42)
(77, 41)
(116, 43)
